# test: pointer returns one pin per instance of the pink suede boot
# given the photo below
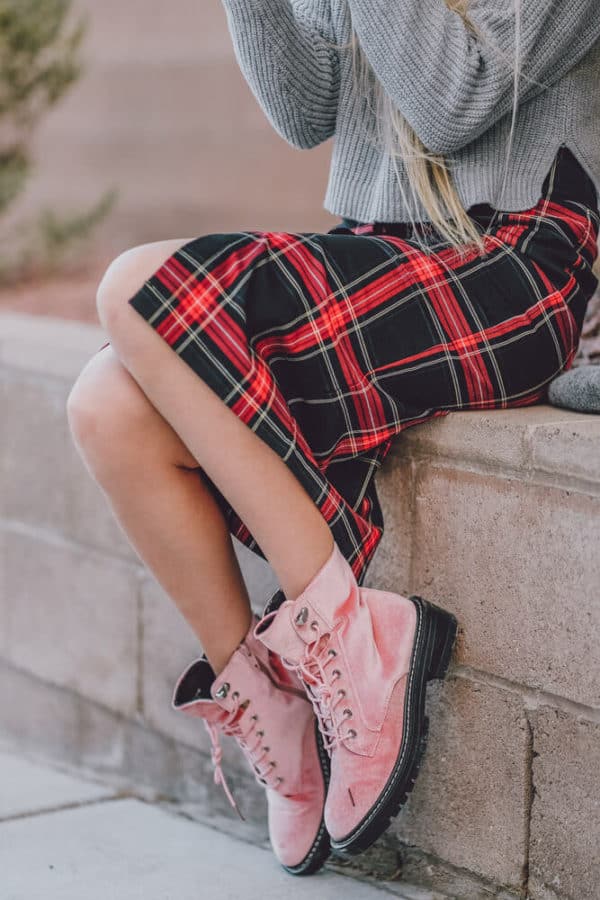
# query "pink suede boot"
(258, 702)
(365, 657)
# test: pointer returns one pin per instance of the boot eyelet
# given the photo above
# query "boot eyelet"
(279, 779)
(260, 734)
(223, 691)
(351, 733)
(255, 718)
(337, 673)
(332, 652)
(266, 749)
(235, 695)
(302, 616)
(314, 625)
(341, 692)
(273, 764)
(348, 713)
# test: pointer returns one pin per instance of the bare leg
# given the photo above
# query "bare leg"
(159, 498)
(257, 483)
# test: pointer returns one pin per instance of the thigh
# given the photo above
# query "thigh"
(362, 333)
(380, 331)
(469, 332)
(130, 269)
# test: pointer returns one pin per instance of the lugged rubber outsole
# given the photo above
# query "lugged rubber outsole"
(430, 660)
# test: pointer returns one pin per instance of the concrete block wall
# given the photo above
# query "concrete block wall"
(494, 516)
(499, 521)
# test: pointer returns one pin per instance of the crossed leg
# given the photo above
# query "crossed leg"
(147, 426)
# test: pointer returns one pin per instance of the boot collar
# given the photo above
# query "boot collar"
(326, 600)
(194, 683)
(192, 693)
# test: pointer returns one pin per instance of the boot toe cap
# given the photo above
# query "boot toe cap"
(296, 828)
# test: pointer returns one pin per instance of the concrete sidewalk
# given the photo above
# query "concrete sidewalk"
(63, 838)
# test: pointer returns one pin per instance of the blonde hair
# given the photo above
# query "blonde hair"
(428, 174)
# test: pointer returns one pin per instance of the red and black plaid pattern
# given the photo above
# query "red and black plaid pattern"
(329, 345)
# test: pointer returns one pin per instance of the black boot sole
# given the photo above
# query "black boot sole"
(321, 849)
(432, 651)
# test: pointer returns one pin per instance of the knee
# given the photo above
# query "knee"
(105, 411)
(124, 276)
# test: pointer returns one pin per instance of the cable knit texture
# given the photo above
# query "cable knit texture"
(454, 89)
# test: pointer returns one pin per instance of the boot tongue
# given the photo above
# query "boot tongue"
(332, 591)
(241, 678)
(331, 594)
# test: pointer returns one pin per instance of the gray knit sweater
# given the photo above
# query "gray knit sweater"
(453, 89)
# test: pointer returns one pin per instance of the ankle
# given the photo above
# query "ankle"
(295, 587)
(220, 653)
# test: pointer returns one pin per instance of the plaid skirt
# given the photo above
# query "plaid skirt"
(328, 345)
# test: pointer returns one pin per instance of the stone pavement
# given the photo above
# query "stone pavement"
(64, 838)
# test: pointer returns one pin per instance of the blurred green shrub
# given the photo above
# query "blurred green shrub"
(39, 61)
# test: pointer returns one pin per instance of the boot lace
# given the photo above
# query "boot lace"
(318, 671)
(251, 743)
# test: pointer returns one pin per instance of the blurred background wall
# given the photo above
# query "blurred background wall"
(163, 113)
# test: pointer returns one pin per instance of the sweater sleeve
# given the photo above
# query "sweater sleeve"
(282, 50)
(450, 85)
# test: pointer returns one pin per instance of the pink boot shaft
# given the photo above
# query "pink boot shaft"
(254, 700)
(365, 657)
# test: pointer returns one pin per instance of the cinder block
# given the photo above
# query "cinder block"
(542, 438)
(75, 731)
(568, 448)
(565, 821)
(46, 346)
(390, 567)
(43, 480)
(468, 806)
(71, 618)
(54, 723)
(35, 470)
(495, 438)
(3, 592)
(168, 646)
(519, 565)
